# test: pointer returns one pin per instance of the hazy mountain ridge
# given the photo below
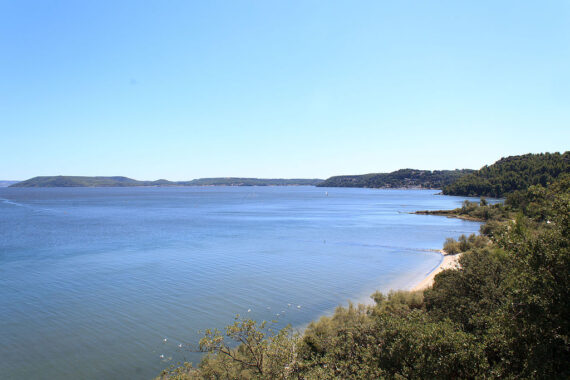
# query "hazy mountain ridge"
(4, 183)
(237, 181)
(118, 181)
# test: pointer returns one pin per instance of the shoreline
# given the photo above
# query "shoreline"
(448, 262)
(449, 214)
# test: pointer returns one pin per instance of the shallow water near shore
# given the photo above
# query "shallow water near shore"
(108, 282)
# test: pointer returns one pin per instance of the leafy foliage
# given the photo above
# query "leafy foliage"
(537, 318)
(471, 295)
(464, 243)
(536, 201)
(261, 352)
(367, 343)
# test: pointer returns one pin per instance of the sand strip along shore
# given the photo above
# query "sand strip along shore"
(448, 262)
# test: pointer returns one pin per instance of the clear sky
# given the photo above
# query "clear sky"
(188, 89)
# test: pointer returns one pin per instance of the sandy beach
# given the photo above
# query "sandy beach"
(449, 262)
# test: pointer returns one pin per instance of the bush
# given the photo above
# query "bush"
(451, 246)
(472, 294)
(398, 302)
(464, 244)
(261, 352)
(491, 229)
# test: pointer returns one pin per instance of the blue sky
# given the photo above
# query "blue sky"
(188, 89)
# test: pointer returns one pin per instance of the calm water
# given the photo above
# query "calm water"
(92, 280)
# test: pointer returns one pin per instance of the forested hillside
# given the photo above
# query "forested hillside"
(511, 174)
(403, 178)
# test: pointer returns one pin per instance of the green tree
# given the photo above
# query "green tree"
(472, 295)
(248, 350)
(536, 318)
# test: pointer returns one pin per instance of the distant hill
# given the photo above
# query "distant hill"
(4, 183)
(403, 178)
(510, 174)
(77, 181)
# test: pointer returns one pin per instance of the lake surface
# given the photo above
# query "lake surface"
(92, 280)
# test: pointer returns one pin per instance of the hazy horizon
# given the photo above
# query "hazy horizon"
(243, 176)
(220, 176)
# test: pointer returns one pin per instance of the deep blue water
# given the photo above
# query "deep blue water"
(92, 280)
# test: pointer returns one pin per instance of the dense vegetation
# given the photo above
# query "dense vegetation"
(76, 181)
(511, 174)
(505, 313)
(404, 178)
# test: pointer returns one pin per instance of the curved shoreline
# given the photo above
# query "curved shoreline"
(448, 262)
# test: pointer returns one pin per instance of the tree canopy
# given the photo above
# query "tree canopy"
(511, 174)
